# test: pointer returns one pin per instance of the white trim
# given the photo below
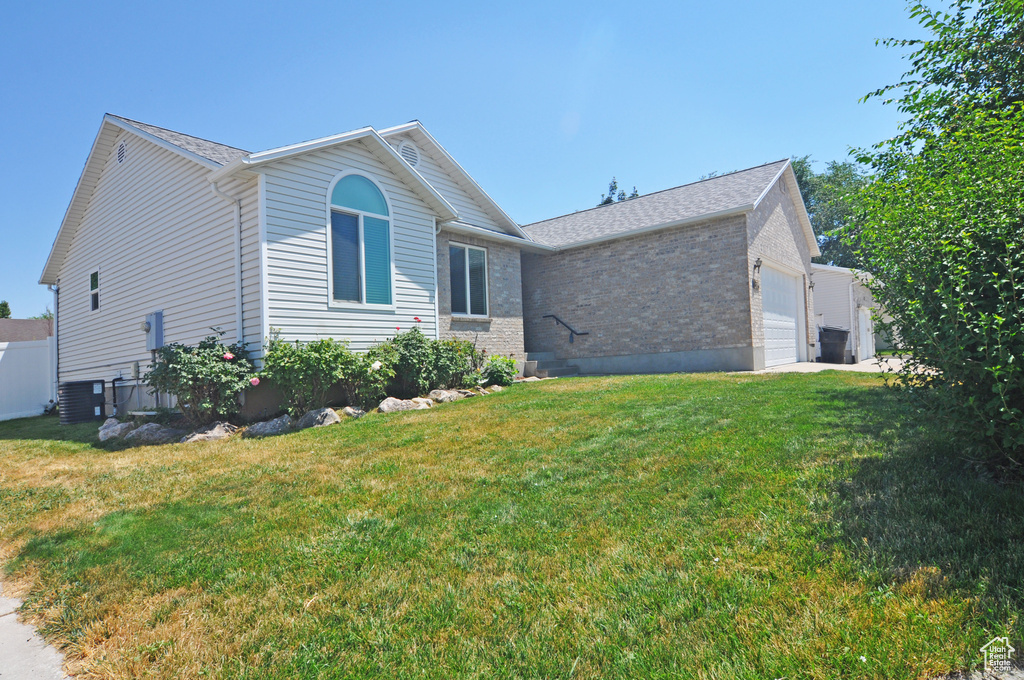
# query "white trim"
(491, 235)
(487, 282)
(205, 162)
(360, 214)
(264, 283)
(418, 127)
(768, 188)
(99, 289)
(437, 282)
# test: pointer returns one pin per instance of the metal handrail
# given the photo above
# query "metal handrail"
(572, 331)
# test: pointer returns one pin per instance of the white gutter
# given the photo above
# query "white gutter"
(487, 234)
(237, 202)
(437, 285)
(55, 289)
(853, 346)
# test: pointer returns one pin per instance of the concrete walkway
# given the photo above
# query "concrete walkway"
(23, 654)
(875, 365)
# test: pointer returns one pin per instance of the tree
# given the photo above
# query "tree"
(616, 194)
(5, 310)
(942, 222)
(48, 314)
(828, 196)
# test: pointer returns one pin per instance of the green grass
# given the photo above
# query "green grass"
(714, 526)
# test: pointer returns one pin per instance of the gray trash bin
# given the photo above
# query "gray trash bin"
(833, 344)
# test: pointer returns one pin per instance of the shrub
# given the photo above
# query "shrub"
(943, 226)
(374, 371)
(455, 363)
(206, 379)
(305, 373)
(500, 370)
(414, 367)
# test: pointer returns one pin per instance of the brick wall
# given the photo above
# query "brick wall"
(675, 290)
(502, 331)
(776, 236)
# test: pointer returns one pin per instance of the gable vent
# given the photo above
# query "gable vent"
(122, 152)
(410, 153)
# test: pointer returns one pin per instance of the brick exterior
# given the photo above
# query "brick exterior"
(502, 331)
(776, 236)
(675, 290)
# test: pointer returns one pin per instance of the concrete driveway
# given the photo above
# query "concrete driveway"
(875, 365)
(23, 654)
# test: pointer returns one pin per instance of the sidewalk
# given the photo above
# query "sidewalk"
(874, 365)
(23, 654)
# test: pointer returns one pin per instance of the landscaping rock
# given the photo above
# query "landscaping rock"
(531, 378)
(153, 434)
(392, 405)
(318, 418)
(269, 428)
(353, 412)
(219, 430)
(445, 396)
(423, 401)
(466, 393)
(496, 388)
(482, 392)
(112, 428)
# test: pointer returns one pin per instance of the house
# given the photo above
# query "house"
(25, 330)
(842, 300)
(708, 276)
(171, 238)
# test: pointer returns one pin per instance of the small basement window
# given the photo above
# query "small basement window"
(94, 290)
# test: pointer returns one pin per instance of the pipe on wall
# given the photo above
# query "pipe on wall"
(237, 204)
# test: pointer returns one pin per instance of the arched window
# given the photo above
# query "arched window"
(360, 242)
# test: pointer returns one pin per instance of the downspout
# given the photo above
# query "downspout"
(237, 202)
(55, 289)
(853, 342)
(437, 286)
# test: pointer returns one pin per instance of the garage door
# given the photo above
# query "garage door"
(780, 299)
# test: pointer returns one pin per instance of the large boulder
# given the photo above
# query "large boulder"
(353, 412)
(219, 430)
(423, 401)
(269, 428)
(153, 434)
(496, 388)
(445, 396)
(318, 418)
(112, 428)
(392, 405)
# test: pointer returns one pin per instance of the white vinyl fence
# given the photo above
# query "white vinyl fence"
(27, 377)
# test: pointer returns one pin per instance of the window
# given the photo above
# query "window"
(94, 290)
(469, 280)
(359, 243)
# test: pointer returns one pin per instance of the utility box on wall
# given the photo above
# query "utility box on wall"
(154, 327)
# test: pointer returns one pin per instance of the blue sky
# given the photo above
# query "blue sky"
(542, 103)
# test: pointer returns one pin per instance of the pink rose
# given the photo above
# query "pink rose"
(398, 328)
(254, 382)
(416, 319)
(228, 356)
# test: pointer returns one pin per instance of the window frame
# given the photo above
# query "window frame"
(487, 282)
(94, 291)
(360, 304)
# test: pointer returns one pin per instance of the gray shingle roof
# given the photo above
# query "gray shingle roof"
(690, 201)
(218, 153)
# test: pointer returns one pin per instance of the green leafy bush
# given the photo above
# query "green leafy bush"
(500, 370)
(206, 379)
(413, 370)
(454, 364)
(306, 372)
(373, 373)
(943, 226)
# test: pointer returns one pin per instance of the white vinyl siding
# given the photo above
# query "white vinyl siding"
(833, 305)
(469, 211)
(160, 240)
(298, 287)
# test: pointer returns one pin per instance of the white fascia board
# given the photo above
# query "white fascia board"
(489, 235)
(418, 127)
(740, 210)
(48, 277)
(801, 209)
(205, 162)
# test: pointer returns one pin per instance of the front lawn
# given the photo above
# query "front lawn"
(722, 526)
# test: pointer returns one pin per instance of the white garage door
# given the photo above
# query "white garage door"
(780, 299)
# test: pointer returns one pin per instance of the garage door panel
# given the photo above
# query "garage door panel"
(780, 299)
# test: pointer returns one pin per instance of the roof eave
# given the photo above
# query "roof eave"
(500, 213)
(801, 209)
(487, 234)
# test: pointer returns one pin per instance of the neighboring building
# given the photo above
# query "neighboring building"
(670, 281)
(25, 330)
(841, 300)
(171, 238)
